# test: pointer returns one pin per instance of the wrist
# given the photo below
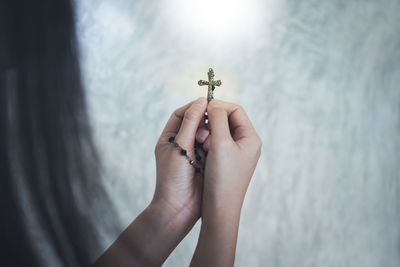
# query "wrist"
(178, 217)
(216, 214)
(224, 204)
(148, 240)
(218, 234)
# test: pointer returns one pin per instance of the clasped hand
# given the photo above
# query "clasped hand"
(233, 151)
(182, 196)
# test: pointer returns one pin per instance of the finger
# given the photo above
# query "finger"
(175, 121)
(202, 134)
(191, 120)
(207, 143)
(218, 120)
(202, 123)
(240, 124)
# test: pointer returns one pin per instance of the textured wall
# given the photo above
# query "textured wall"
(320, 81)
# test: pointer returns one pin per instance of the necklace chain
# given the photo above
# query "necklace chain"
(196, 163)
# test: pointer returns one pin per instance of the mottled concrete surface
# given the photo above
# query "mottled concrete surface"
(320, 81)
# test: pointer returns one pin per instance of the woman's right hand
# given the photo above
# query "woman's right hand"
(233, 151)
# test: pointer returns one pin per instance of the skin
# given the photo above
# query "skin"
(182, 196)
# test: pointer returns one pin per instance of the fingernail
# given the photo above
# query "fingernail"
(202, 134)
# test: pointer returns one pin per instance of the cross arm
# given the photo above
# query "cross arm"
(202, 82)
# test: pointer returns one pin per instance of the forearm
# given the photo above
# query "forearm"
(218, 236)
(149, 239)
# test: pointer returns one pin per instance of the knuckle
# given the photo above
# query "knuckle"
(238, 107)
(194, 111)
(175, 114)
(222, 144)
(214, 104)
(190, 114)
(198, 105)
(258, 140)
(201, 101)
(216, 110)
(258, 145)
(156, 148)
(161, 145)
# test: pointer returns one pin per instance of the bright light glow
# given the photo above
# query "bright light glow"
(217, 19)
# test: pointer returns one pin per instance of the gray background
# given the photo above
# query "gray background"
(320, 81)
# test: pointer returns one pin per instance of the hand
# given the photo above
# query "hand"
(178, 187)
(175, 208)
(233, 151)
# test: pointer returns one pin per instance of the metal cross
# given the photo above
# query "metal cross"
(211, 84)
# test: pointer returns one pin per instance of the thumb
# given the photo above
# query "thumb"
(218, 120)
(191, 120)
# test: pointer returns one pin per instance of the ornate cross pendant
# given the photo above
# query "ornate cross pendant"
(211, 84)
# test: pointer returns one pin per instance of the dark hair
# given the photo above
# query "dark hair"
(49, 170)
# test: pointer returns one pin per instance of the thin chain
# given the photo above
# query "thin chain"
(196, 163)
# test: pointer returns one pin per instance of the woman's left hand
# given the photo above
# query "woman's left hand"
(178, 186)
(176, 205)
